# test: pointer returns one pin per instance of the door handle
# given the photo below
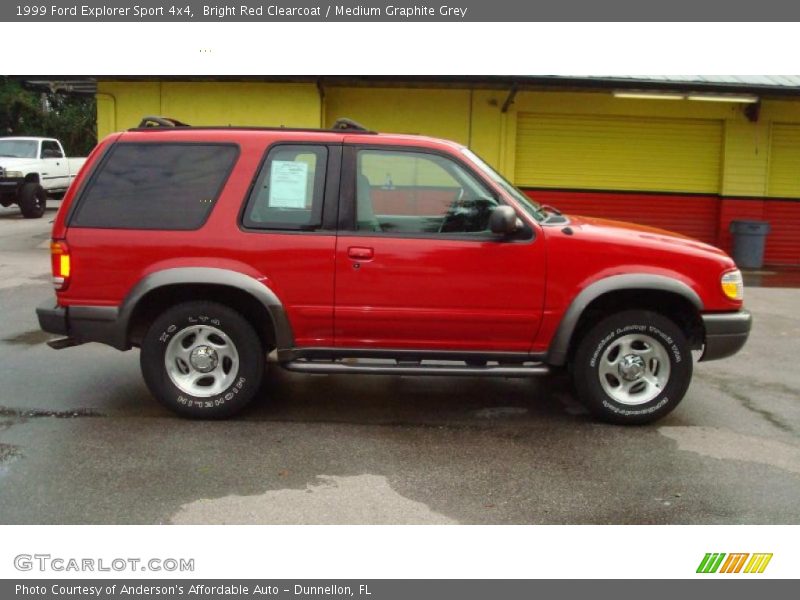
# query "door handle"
(360, 253)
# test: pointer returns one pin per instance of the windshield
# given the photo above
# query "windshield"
(18, 148)
(531, 207)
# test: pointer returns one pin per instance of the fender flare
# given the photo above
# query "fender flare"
(557, 354)
(284, 338)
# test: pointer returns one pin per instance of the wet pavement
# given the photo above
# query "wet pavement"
(81, 440)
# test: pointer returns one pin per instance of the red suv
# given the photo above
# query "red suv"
(210, 248)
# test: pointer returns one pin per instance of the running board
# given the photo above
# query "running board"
(329, 367)
(61, 343)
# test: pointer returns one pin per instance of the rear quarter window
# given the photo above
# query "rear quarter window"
(155, 186)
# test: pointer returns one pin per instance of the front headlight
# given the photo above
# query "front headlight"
(732, 285)
(13, 174)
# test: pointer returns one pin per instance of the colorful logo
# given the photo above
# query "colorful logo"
(734, 563)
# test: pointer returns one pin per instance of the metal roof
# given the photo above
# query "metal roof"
(745, 80)
(764, 85)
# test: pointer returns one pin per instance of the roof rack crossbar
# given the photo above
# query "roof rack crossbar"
(155, 121)
(345, 124)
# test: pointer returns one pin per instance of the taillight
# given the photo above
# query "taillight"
(61, 263)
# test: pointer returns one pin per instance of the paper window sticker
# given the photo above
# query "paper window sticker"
(288, 184)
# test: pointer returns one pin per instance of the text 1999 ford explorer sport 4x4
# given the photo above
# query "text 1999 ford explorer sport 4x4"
(209, 248)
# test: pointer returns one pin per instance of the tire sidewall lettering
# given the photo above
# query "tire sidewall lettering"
(220, 400)
(618, 408)
(173, 328)
(192, 401)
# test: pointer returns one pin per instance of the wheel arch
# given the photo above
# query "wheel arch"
(659, 293)
(32, 178)
(257, 302)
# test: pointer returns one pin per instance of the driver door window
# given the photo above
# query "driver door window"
(51, 150)
(411, 193)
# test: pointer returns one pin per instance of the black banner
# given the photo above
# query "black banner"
(733, 588)
(403, 10)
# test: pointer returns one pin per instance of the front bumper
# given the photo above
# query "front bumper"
(9, 186)
(7, 183)
(726, 333)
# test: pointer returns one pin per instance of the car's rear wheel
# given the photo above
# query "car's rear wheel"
(202, 360)
(32, 200)
(633, 367)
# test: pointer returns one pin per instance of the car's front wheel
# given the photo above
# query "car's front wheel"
(202, 360)
(632, 367)
(32, 200)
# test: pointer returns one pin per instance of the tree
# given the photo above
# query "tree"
(71, 118)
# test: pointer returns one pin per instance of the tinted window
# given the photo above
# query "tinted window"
(289, 190)
(51, 150)
(156, 186)
(415, 192)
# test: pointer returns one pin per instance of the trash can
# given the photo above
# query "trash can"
(748, 243)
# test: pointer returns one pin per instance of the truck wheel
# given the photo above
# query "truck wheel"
(633, 367)
(202, 360)
(32, 200)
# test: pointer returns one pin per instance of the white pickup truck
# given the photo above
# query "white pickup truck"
(31, 169)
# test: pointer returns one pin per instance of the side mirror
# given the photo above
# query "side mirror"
(504, 221)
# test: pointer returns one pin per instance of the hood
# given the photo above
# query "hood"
(621, 231)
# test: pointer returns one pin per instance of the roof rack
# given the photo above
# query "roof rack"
(345, 124)
(155, 123)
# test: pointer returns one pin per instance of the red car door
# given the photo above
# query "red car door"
(416, 264)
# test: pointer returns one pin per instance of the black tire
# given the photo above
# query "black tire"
(32, 200)
(183, 319)
(602, 346)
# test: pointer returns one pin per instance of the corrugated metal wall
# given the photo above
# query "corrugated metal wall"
(619, 153)
(695, 216)
(784, 161)
(783, 243)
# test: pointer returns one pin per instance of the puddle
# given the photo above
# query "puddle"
(31, 413)
(354, 500)
(500, 412)
(724, 444)
(733, 389)
(29, 338)
(8, 454)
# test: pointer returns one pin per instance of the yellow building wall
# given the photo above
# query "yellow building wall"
(746, 158)
(122, 104)
(256, 104)
(106, 114)
(441, 113)
(784, 163)
(472, 117)
(488, 126)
